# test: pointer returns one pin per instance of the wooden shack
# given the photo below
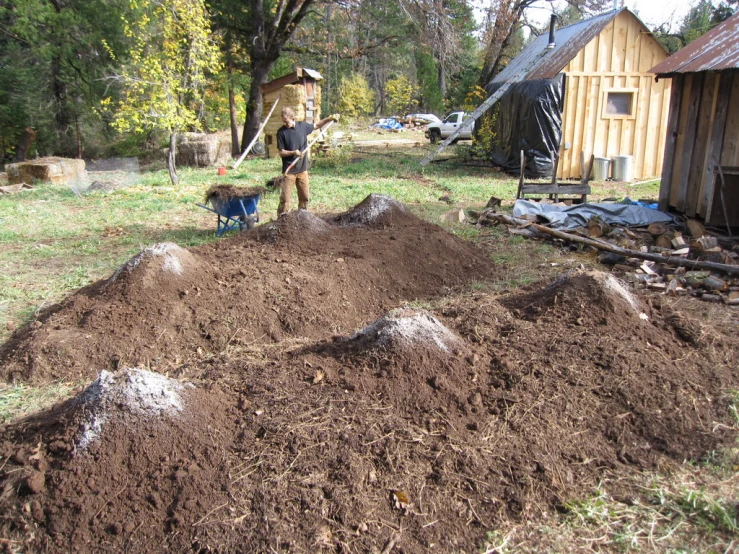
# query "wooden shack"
(700, 176)
(612, 105)
(300, 91)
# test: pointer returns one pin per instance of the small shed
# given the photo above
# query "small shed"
(612, 104)
(300, 91)
(700, 176)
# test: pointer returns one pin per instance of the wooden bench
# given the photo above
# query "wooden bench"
(554, 189)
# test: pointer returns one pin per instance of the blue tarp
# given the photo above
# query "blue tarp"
(650, 205)
(388, 123)
(571, 217)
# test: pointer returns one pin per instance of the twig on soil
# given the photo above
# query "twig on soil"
(429, 524)
(391, 433)
(295, 459)
(389, 545)
(198, 522)
(501, 546)
(245, 475)
(109, 501)
(386, 524)
(474, 513)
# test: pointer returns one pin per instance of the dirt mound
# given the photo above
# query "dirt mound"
(126, 462)
(300, 276)
(581, 295)
(297, 227)
(157, 263)
(423, 430)
(375, 210)
(134, 392)
(406, 328)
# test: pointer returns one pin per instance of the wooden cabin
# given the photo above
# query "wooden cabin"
(612, 105)
(300, 91)
(700, 176)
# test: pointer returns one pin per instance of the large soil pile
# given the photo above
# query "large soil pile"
(301, 276)
(418, 431)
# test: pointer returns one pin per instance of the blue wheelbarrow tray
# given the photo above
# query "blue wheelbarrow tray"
(235, 212)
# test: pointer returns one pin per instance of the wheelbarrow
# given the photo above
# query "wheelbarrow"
(234, 212)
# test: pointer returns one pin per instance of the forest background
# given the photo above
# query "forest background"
(102, 78)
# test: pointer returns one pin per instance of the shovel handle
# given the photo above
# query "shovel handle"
(307, 148)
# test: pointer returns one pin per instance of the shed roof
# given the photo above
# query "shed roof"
(713, 51)
(568, 40)
(290, 79)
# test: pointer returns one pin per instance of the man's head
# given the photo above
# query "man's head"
(288, 117)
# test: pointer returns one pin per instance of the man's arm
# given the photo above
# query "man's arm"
(326, 121)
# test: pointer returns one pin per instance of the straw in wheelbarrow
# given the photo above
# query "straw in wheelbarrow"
(229, 192)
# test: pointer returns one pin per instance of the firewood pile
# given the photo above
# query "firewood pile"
(411, 122)
(683, 260)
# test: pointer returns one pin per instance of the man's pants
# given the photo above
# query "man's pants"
(288, 182)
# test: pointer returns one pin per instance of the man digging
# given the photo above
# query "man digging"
(292, 144)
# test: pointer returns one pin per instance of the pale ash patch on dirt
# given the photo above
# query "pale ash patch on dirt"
(309, 221)
(409, 327)
(171, 254)
(135, 391)
(619, 288)
(371, 208)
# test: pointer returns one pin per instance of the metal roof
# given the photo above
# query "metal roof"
(568, 41)
(717, 49)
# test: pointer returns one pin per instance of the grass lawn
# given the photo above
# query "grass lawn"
(52, 242)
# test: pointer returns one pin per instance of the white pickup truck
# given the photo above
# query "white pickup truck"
(451, 123)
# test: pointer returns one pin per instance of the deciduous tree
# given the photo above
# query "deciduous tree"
(170, 57)
(503, 19)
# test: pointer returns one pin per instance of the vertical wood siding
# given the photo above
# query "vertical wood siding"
(618, 58)
(703, 133)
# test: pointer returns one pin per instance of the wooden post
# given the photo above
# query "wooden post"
(519, 193)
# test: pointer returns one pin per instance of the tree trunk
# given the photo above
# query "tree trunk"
(235, 150)
(329, 40)
(171, 157)
(24, 145)
(254, 105)
(508, 14)
(78, 134)
(442, 78)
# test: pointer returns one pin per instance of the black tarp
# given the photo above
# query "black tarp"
(528, 117)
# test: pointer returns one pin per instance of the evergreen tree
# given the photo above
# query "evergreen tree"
(51, 68)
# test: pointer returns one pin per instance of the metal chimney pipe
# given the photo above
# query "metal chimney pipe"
(552, 23)
(615, 5)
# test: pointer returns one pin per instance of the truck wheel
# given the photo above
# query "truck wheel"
(434, 136)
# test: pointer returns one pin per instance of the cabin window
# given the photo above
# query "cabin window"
(619, 104)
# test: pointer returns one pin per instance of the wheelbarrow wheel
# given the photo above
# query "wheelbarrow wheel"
(249, 222)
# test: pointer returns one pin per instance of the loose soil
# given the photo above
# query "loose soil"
(325, 384)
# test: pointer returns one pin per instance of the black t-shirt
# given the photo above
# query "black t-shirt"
(294, 138)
